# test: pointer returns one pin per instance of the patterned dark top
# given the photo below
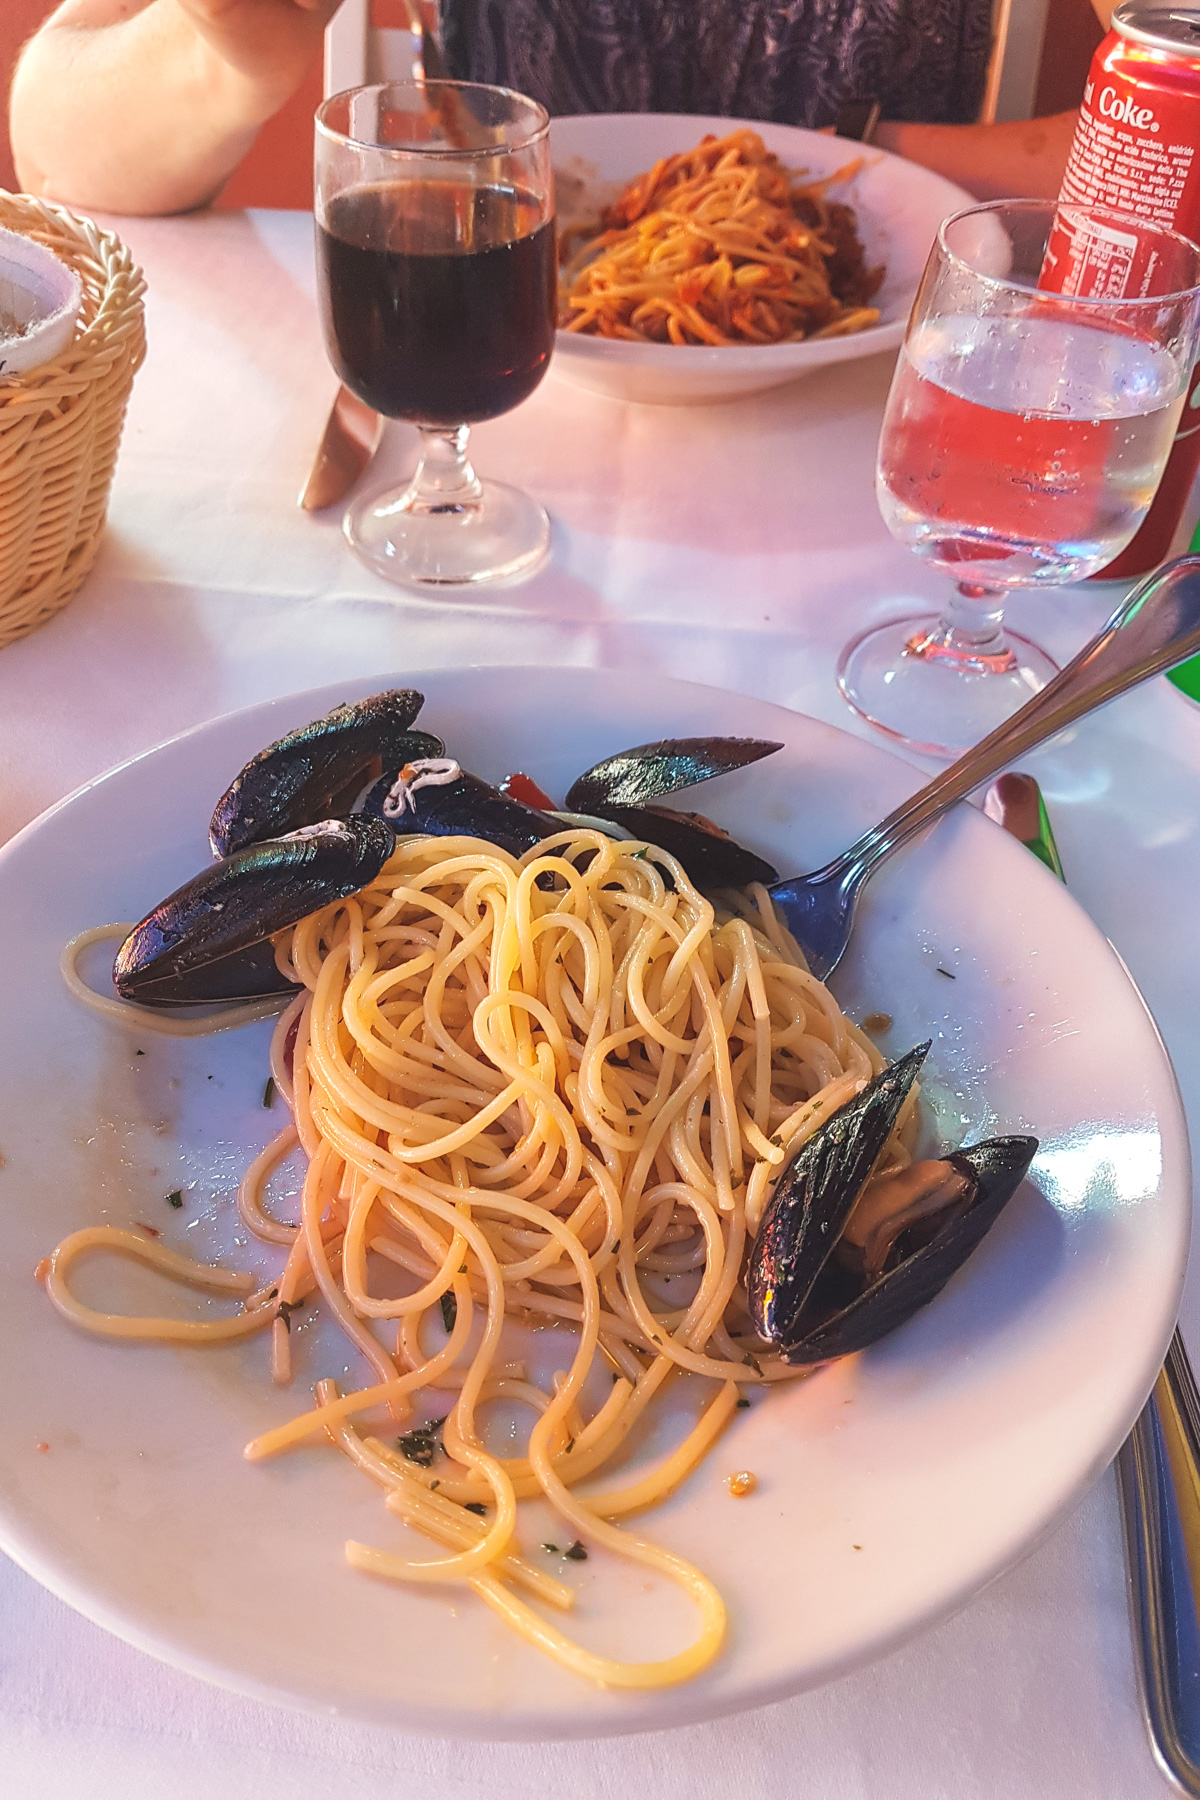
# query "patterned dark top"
(793, 61)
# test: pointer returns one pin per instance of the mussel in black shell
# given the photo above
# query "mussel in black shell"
(622, 789)
(210, 940)
(711, 857)
(318, 771)
(440, 798)
(456, 803)
(843, 1256)
(647, 772)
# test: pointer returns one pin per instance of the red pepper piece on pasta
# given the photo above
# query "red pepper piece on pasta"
(525, 789)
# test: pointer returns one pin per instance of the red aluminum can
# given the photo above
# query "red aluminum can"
(1136, 150)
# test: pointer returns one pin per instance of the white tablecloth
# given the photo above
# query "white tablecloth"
(737, 545)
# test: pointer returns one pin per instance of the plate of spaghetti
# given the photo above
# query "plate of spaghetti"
(761, 252)
(382, 1347)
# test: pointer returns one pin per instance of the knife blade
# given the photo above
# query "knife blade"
(348, 442)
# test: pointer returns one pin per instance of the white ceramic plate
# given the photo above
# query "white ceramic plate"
(899, 207)
(891, 1486)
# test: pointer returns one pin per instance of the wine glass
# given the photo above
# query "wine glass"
(437, 278)
(1024, 437)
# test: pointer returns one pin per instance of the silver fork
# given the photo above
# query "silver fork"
(1158, 1466)
(1156, 627)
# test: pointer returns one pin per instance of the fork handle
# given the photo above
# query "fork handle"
(1155, 628)
(1158, 1470)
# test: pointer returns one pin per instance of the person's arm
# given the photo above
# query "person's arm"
(1022, 157)
(147, 106)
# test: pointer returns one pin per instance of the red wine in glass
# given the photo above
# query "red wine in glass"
(436, 271)
(438, 298)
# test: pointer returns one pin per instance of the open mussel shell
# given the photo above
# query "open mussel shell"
(801, 1296)
(317, 772)
(649, 771)
(472, 807)
(815, 1195)
(208, 941)
(466, 807)
(997, 1167)
(711, 857)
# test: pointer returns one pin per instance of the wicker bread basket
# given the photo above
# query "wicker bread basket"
(60, 424)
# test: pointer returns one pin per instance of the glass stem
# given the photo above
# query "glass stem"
(969, 634)
(444, 482)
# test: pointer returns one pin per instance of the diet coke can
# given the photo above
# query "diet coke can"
(1136, 150)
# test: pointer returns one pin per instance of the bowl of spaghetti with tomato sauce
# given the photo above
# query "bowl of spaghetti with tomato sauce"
(704, 259)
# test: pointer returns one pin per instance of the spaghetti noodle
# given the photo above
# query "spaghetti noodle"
(717, 246)
(554, 1090)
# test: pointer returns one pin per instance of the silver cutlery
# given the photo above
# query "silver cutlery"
(1158, 1468)
(423, 22)
(1156, 627)
(1158, 1473)
(348, 442)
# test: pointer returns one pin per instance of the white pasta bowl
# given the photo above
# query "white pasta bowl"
(899, 208)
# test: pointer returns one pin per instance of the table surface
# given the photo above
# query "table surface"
(737, 545)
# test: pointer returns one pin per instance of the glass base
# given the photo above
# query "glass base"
(493, 533)
(902, 679)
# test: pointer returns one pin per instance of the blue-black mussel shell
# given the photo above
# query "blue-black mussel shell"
(647, 772)
(208, 941)
(801, 1299)
(318, 771)
(621, 790)
(471, 807)
(468, 807)
(711, 858)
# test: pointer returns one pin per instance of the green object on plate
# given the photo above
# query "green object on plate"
(1043, 845)
(1015, 802)
(1187, 676)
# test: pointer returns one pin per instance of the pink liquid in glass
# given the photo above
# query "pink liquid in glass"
(1030, 446)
